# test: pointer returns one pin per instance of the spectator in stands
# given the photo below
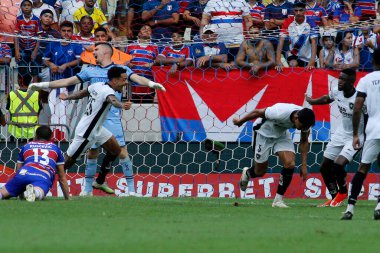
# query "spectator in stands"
(5, 54)
(302, 35)
(24, 108)
(86, 25)
(348, 14)
(67, 8)
(63, 57)
(46, 21)
(366, 41)
(162, 16)
(347, 56)
(368, 8)
(50, 2)
(47, 32)
(177, 55)
(210, 53)
(5, 59)
(256, 53)
(257, 11)
(39, 6)
(101, 35)
(130, 22)
(96, 14)
(26, 49)
(227, 18)
(327, 53)
(332, 6)
(317, 13)
(193, 15)
(144, 54)
(276, 13)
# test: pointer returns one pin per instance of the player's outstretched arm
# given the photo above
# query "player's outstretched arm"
(75, 96)
(304, 147)
(63, 181)
(358, 106)
(55, 84)
(146, 82)
(250, 116)
(319, 101)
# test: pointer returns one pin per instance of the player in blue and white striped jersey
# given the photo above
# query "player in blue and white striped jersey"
(37, 164)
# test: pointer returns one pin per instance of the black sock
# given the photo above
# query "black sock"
(330, 181)
(105, 168)
(357, 183)
(285, 179)
(251, 172)
(341, 178)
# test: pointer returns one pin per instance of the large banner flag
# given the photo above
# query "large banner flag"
(201, 104)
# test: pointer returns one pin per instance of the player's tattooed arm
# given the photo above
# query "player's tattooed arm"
(74, 96)
(257, 113)
(115, 102)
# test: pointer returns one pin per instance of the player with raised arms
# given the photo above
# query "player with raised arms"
(37, 164)
(90, 129)
(339, 151)
(368, 92)
(271, 132)
(103, 53)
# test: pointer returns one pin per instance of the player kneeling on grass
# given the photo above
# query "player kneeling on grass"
(90, 129)
(271, 132)
(339, 151)
(37, 164)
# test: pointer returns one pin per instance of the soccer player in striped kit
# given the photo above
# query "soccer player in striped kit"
(37, 164)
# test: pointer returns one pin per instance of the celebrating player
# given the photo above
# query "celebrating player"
(367, 91)
(339, 151)
(37, 164)
(90, 129)
(271, 132)
(103, 53)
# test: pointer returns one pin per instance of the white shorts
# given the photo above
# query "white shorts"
(371, 150)
(116, 128)
(340, 148)
(264, 145)
(79, 145)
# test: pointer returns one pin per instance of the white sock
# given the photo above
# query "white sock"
(278, 197)
(378, 206)
(39, 193)
(350, 208)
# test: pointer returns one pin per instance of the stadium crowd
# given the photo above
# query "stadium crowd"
(252, 35)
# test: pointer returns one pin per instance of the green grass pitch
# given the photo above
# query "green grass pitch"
(111, 225)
